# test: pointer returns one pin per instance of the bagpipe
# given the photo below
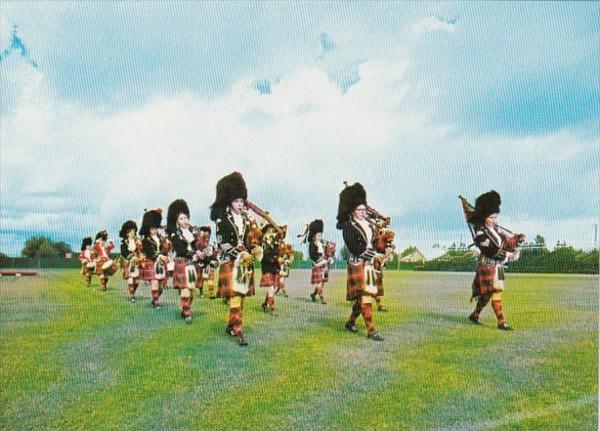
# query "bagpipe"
(383, 236)
(510, 245)
(285, 257)
(256, 237)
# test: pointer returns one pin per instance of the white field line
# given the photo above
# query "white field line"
(521, 416)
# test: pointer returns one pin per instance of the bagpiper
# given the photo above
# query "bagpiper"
(130, 257)
(285, 260)
(205, 266)
(270, 266)
(156, 247)
(359, 236)
(183, 240)
(317, 248)
(105, 266)
(498, 246)
(236, 238)
(86, 257)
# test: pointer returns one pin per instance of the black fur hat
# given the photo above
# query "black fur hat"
(178, 206)
(351, 197)
(486, 204)
(315, 227)
(87, 241)
(150, 219)
(126, 227)
(229, 188)
(103, 234)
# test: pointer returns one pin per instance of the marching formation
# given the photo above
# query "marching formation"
(185, 257)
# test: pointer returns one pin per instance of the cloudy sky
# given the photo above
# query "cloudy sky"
(110, 108)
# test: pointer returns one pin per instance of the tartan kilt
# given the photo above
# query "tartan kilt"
(225, 285)
(355, 281)
(268, 279)
(379, 282)
(316, 276)
(483, 283)
(147, 272)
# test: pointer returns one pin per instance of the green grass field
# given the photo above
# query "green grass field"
(77, 358)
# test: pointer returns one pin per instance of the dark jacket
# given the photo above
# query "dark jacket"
(489, 245)
(228, 237)
(269, 262)
(151, 248)
(313, 253)
(356, 241)
(180, 245)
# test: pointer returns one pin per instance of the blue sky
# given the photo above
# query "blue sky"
(110, 108)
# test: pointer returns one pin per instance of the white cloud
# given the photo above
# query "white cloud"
(434, 23)
(94, 171)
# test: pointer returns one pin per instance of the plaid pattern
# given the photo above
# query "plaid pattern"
(235, 321)
(186, 306)
(199, 278)
(365, 309)
(355, 281)
(379, 283)
(497, 306)
(132, 287)
(316, 276)
(179, 276)
(225, 286)
(155, 292)
(482, 301)
(268, 279)
(147, 270)
(483, 283)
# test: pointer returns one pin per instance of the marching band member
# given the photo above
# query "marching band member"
(131, 273)
(320, 262)
(154, 267)
(233, 225)
(270, 267)
(358, 235)
(105, 266)
(86, 257)
(497, 246)
(208, 264)
(285, 260)
(183, 241)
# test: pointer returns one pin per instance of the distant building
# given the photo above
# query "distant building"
(415, 257)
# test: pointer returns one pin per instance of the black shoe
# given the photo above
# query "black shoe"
(474, 319)
(213, 297)
(351, 328)
(285, 295)
(323, 302)
(505, 327)
(264, 307)
(242, 341)
(312, 296)
(375, 336)
(382, 308)
(229, 331)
